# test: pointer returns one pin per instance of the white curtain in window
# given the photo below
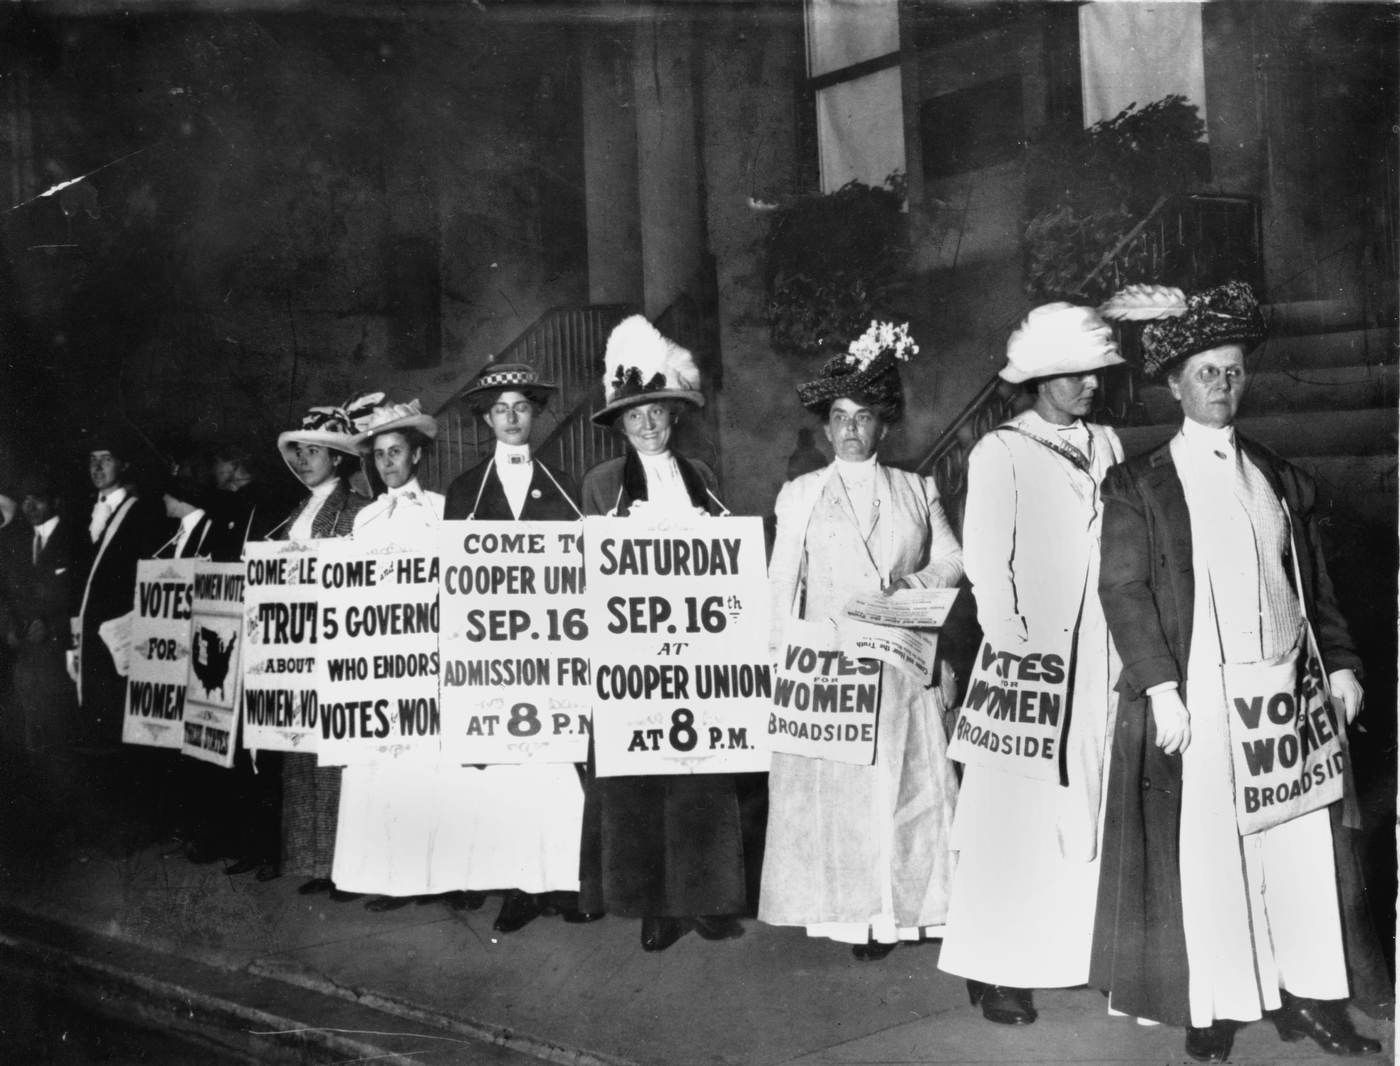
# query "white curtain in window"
(860, 129)
(1139, 52)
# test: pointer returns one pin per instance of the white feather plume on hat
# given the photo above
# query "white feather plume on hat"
(642, 366)
(1143, 303)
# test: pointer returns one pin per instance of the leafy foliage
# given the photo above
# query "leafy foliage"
(1086, 189)
(834, 262)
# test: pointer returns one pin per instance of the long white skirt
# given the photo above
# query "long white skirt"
(858, 853)
(515, 827)
(1021, 914)
(1260, 912)
(388, 828)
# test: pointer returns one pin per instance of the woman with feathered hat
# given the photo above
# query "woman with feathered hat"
(318, 452)
(859, 854)
(1031, 545)
(389, 814)
(666, 849)
(519, 829)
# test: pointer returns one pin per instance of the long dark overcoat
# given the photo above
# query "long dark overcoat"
(1147, 584)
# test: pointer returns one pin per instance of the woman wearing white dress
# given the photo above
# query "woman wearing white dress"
(1031, 536)
(520, 824)
(860, 854)
(386, 833)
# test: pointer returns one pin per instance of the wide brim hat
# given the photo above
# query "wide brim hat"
(496, 378)
(328, 425)
(877, 381)
(1056, 339)
(393, 418)
(641, 366)
(1226, 314)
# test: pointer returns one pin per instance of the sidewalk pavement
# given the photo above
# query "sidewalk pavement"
(582, 995)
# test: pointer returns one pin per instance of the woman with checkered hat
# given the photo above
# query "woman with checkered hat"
(518, 828)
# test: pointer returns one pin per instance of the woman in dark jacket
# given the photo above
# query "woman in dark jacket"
(520, 824)
(319, 453)
(666, 849)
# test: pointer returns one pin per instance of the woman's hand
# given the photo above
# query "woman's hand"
(1172, 720)
(1347, 690)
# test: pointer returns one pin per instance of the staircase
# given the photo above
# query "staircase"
(1322, 392)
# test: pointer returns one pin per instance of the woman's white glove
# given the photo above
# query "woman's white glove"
(1173, 722)
(1347, 690)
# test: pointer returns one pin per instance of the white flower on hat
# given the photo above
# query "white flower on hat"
(881, 337)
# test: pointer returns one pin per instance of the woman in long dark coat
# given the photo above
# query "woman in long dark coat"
(666, 849)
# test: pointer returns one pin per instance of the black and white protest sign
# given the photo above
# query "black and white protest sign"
(377, 667)
(216, 645)
(281, 621)
(678, 630)
(160, 652)
(1013, 715)
(515, 667)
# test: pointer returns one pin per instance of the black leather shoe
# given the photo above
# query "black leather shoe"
(316, 884)
(872, 951)
(383, 904)
(466, 901)
(241, 866)
(658, 934)
(518, 910)
(268, 871)
(717, 927)
(574, 916)
(1211, 1044)
(1002, 1004)
(1326, 1021)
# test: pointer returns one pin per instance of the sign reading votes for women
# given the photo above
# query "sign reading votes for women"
(1013, 715)
(678, 631)
(514, 642)
(281, 620)
(211, 685)
(377, 667)
(160, 652)
(825, 704)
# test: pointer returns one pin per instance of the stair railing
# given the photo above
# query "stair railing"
(1201, 240)
(565, 345)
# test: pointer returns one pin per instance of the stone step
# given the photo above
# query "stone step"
(1282, 391)
(1338, 348)
(1324, 316)
(1305, 434)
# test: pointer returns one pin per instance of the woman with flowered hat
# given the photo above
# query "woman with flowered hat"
(1212, 566)
(519, 829)
(389, 813)
(1031, 545)
(859, 854)
(320, 453)
(666, 849)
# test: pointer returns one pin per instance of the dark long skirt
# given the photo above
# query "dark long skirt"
(663, 846)
(310, 805)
